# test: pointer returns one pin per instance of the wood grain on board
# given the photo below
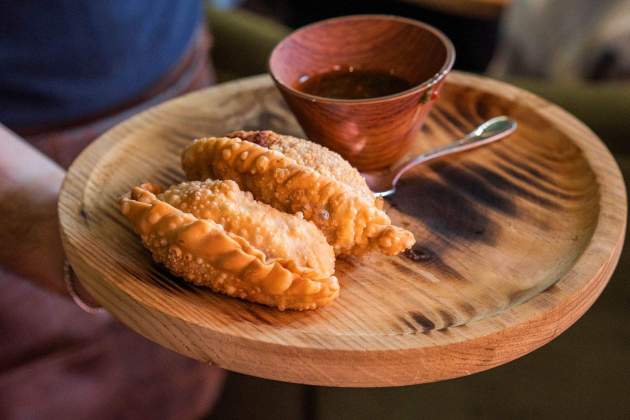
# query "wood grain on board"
(515, 242)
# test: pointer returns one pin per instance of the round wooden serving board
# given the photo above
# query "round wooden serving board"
(515, 241)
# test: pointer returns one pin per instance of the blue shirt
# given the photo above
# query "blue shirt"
(66, 59)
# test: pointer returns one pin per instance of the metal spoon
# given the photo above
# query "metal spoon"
(383, 183)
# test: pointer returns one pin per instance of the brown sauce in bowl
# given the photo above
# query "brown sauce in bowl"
(350, 83)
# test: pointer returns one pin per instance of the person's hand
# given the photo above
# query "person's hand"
(30, 244)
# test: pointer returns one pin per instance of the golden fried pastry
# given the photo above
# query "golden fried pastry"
(205, 236)
(313, 155)
(282, 235)
(299, 177)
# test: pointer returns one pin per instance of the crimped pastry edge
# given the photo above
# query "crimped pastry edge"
(180, 242)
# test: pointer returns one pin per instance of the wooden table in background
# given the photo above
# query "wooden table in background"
(469, 8)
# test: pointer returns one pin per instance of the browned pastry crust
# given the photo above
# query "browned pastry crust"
(314, 156)
(203, 252)
(347, 214)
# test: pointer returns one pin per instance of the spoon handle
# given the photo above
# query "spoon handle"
(492, 130)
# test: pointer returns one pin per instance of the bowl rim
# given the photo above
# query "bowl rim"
(431, 81)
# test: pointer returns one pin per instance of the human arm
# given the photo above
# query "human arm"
(30, 244)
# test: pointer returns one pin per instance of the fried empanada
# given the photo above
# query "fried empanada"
(297, 176)
(313, 155)
(207, 235)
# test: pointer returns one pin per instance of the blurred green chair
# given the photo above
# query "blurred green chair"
(242, 42)
(603, 106)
